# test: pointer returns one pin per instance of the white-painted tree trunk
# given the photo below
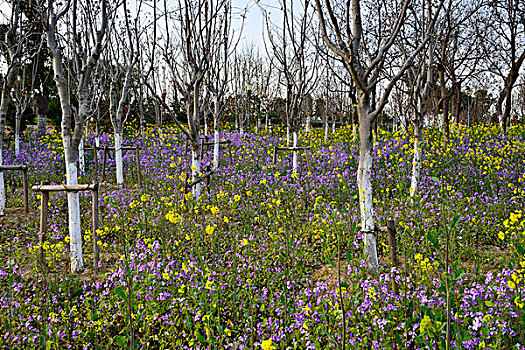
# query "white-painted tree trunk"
(216, 146)
(2, 186)
(333, 128)
(364, 183)
(195, 171)
(416, 162)
(295, 163)
(81, 157)
(118, 159)
(325, 131)
(308, 122)
(17, 144)
(205, 127)
(97, 135)
(287, 135)
(75, 233)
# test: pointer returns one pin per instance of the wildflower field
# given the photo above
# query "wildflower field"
(268, 259)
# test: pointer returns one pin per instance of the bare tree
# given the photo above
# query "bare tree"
(14, 39)
(218, 77)
(420, 81)
(457, 55)
(505, 50)
(122, 58)
(296, 59)
(85, 50)
(21, 97)
(187, 57)
(364, 54)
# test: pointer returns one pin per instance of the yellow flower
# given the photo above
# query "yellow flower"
(210, 229)
(267, 345)
(226, 220)
(244, 242)
(511, 284)
(501, 235)
(214, 210)
(425, 325)
(236, 198)
(209, 285)
(228, 332)
(165, 275)
(519, 302)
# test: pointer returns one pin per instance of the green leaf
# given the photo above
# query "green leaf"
(455, 221)
(121, 341)
(489, 303)
(330, 261)
(519, 248)
(48, 344)
(436, 180)
(120, 292)
(485, 331)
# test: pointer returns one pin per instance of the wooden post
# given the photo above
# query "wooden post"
(230, 151)
(139, 171)
(307, 155)
(94, 216)
(274, 158)
(104, 163)
(95, 150)
(202, 148)
(26, 191)
(44, 212)
(393, 249)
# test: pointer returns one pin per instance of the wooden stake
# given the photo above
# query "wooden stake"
(95, 150)
(44, 212)
(26, 192)
(202, 148)
(230, 151)
(104, 163)
(94, 216)
(139, 171)
(393, 249)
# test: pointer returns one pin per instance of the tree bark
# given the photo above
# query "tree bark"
(216, 144)
(295, 163)
(364, 183)
(118, 158)
(416, 162)
(9, 81)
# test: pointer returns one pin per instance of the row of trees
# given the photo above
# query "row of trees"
(355, 57)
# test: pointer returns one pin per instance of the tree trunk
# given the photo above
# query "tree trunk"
(308, 122)
(364, 183)
(326, 131)
(118, 158)
(9, 80)
(40, 108)
(195, 168)
(81, 156)
(70, 153)
(216, 144)
(18, 120)
(295, 163)
(416, 163)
